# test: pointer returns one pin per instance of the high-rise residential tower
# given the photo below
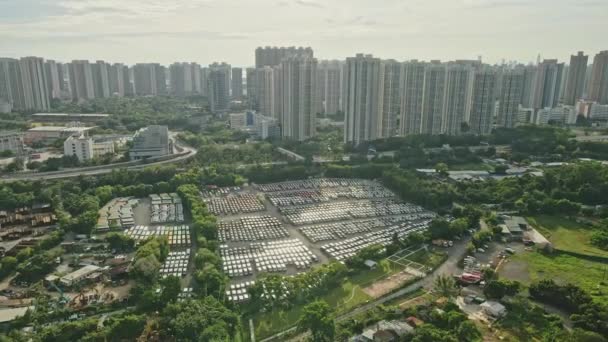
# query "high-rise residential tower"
(435, 76)
(330, 74)
(362, 97)
(81, 80)
(35, 83)
(547, 84)
(390, 110)
(510, 97)
(120, 83)
(598, 83)
(219, 86)
(101, 83)
(264, 85)
(575, 82)
(458, 93)
(54, 78)
(11, 84)
(237, 83)
(298, 80)
(412, 97)
(483, 102)
(272, 56)
(149, 79)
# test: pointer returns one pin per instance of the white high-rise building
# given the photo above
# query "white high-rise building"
(483, 103)
(457, 100)
(11, 84)
(265, 83)
(412, 98)
(219, 87)
(330, 76)
(35, 83)
(510, 97)
(81, 80)
(362, 97)
(390, 110)
(435, 76)
(298, 81)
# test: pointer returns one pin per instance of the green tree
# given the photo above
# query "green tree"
(318, 318)
(442, 169)
(170, 289)
(445, 285)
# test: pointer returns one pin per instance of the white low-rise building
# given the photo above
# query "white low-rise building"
(80, 146)
(78, 275)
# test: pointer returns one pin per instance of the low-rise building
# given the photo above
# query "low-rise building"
(102, 148)
(48, 134)
(69, 117)
(11, 141)
(78, 275)
(79, 146)
(385, 331)
(151, 142)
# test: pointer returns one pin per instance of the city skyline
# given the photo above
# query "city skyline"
(148, 31)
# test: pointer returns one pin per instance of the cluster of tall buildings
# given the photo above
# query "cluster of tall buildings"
(30, 83)
(379, 98)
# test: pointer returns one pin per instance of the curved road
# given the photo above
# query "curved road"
(188, 152)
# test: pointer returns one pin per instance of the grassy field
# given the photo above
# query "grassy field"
(566, 234)
(533, 266)
(343, 298)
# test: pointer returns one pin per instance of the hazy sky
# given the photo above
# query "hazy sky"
(229, 30)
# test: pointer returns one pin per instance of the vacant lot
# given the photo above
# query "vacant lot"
(566, 234)
(528, 267)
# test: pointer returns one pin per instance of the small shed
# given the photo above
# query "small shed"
(493, 309)
(371, 264)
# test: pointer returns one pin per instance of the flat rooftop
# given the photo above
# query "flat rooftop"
(59, 129)
(84, 115)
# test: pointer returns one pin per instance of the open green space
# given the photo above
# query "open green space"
(344, 298)
(562, 268)
(566, 234)
(431, 258)
(341, 299)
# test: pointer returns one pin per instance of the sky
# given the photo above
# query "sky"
(205, 31)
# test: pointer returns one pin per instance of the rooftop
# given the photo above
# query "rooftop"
(90, 115)
(59, 129)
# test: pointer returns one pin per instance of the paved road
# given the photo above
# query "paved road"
(188, 151)
(450, 266)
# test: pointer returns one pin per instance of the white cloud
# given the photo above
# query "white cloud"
(209, 30)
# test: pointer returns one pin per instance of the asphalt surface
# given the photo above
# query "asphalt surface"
(450, 266)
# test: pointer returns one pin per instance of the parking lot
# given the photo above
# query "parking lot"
(288, 227)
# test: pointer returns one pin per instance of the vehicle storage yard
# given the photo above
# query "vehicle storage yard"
(291, 226)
